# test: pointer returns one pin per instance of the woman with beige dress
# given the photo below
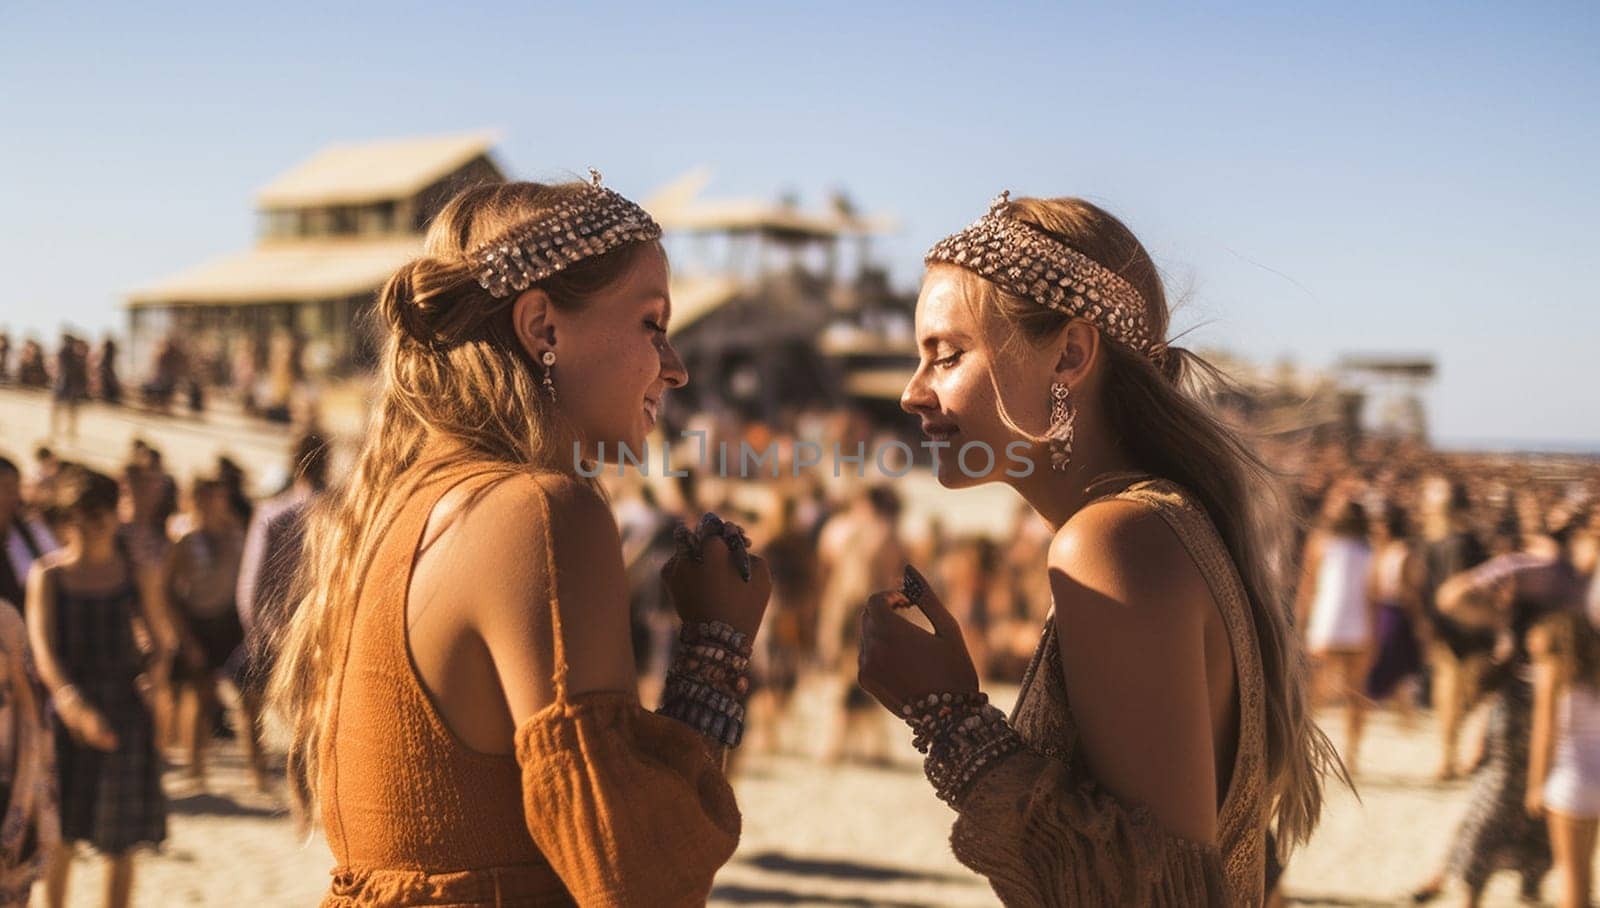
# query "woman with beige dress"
(1188, 734)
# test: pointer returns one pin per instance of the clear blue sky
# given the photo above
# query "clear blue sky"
(1315, 178)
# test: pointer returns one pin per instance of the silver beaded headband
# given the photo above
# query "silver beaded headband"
(1025, 261)
(594, 222)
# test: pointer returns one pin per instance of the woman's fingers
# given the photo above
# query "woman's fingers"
(687, 542)
(739, 544)
(944, 623)
(731, 535)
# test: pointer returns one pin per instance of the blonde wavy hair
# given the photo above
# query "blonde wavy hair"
(451, 368)
(1163, 419)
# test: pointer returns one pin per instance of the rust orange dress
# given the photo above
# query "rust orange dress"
(602, 803)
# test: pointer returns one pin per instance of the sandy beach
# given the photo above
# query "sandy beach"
(848, 835)
(813, 835)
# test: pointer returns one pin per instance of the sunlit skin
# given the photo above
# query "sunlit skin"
(613, 360)
(1127, 595)
(477, 613)
(952, 395)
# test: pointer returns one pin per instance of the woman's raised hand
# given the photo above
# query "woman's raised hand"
(900, 661)
(714, 577)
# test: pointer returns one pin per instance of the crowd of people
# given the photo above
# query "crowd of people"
(464, 742)
(264, 376)
(1461, 584)
(127, 602)
(1425, 582)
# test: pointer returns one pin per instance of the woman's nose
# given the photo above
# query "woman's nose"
(673, 371)
(917, 397)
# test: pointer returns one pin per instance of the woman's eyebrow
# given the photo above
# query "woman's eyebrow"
(933, 339)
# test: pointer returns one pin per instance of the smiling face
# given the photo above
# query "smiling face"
(613, 359)
(951, 392)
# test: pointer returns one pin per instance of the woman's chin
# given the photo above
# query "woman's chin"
(951, 477)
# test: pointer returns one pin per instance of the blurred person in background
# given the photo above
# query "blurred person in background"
(1396, 596)
(1023, 595)
(38, 489)
(71, 386)
(147, 504)
(232, 477)
(169, 373)
(1564, 753)
(1336, 611)
(201, 575)
(788, 635)
(95, 626)
(859, 551)
(32, 372)
(265, 596)
(108, 387)
(1457, 654)
(967, 575)
(1506, 597)
(32, 830)
(24, 537)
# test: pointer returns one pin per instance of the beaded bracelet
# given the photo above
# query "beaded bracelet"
(961, 734)
(705, 710)
(708, 679)
(719, 634)
(680, 687)
(713, 652)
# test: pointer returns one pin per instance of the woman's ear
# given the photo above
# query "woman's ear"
(530, 321)
(1077, 348)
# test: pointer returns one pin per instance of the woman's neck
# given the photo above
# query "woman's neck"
(1057, 495)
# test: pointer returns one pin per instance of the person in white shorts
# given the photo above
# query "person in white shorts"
(1564, 754)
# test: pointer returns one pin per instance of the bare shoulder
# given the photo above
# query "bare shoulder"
(517, 514)
(48, 567)
(1131, 613)
(1123, 553)
(543, 543)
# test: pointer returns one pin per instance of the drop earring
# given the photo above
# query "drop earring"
(549, 361)
(1062, 420)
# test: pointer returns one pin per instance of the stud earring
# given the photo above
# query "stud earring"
(549, 361)
(1062, 425)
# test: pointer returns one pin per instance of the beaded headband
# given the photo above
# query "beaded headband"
(596, 221)
(1024, 260)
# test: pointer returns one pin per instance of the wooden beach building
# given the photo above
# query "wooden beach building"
(329, 233)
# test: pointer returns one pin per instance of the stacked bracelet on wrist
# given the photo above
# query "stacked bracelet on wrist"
(708, 680)
(961, 734)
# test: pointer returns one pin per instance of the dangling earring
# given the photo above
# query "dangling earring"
(549, 361)
(1062, 423)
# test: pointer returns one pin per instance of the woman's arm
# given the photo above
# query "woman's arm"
(1131, 611)
(81, 718)
(629, 807)
(162, 622)
(1548, 682)
(1482, 596)
(41, 612)
(529, 549)
(160, 589)
(1140, 825)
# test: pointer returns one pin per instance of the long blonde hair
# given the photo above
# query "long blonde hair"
(451, 368)
(1162, 419)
